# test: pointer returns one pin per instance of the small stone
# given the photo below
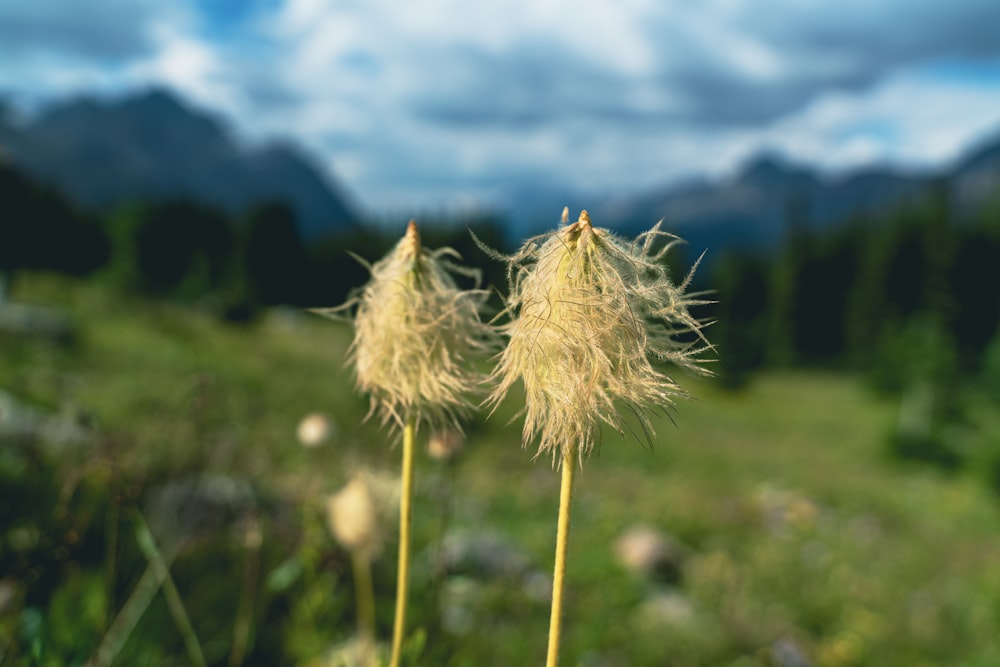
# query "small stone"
(198, 507)
(649, 553)
(538, 586)
(483, 555)
(666, 608)
(788, 653)
(459, 598)
(37, 323)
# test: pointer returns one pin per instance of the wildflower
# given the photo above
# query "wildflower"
(358, 514)
(590, 315)
(415, 334)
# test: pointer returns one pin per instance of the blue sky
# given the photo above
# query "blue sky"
(445, 103)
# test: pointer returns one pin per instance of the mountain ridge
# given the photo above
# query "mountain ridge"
(752, 208)
(153, 145)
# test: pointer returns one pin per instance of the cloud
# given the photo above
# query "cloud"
(920, 120)
(717, 64)
(105, 31)
(417, 103)
(890, 32)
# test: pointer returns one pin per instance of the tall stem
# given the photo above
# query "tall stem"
(559, 572)
(365, 599)
(403, 571)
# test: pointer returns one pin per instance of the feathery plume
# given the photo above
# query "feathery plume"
(415, 335)
(590, 314)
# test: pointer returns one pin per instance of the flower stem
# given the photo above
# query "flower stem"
(365, 599)
(170, 593)
(559, 572)
(403, 571)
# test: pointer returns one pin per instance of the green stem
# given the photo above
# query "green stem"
(156, 574)
(127, 618)
(244, 611)
(559, 572)
(110, 563)
(170, 593)
(403, 572)
(365, 599)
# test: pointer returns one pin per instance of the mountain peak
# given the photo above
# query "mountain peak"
(769, 168)
(154, 145)
(154, 96)
(160, 103)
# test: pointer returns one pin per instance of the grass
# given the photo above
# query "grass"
(800, 530)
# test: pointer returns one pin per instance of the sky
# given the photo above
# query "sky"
(448, 104)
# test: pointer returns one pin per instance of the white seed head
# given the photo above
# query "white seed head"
(415, 336)
(314, 429)
(360, 513)
(445, 444)
(590, 314)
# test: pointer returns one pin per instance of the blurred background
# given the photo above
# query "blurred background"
(180, 180)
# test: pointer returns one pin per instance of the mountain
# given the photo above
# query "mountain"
(977, 177)
(753, 209)
(152, 145)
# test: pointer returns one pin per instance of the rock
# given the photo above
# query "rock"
(11, 595)
(475, 560)
(651, 554)
(27, 425)
(666, 608)
(459, 600)
(788, 653)
(538, 586)
(18, 422)
(198, 507)
(782, 510)
(36, 322)
(483, 555)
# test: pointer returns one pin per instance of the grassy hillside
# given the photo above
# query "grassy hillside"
(794, 539)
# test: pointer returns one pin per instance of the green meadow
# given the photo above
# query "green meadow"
(160, 436)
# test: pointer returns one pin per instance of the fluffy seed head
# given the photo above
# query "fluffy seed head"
(590, 314)
(445, 445)
(314, 429)
(415, 333)
(359, 514)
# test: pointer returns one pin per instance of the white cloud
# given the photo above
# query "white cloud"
(424, 103)
(187, 64)
(910, 119)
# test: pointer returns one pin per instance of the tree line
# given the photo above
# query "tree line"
(906, 292)
(183, 249)
(909, 298)
(866, 294)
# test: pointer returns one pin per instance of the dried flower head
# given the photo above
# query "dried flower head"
(314, 429)
(415, 335)
(360, 513)
(445, 444)
(590, 314)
